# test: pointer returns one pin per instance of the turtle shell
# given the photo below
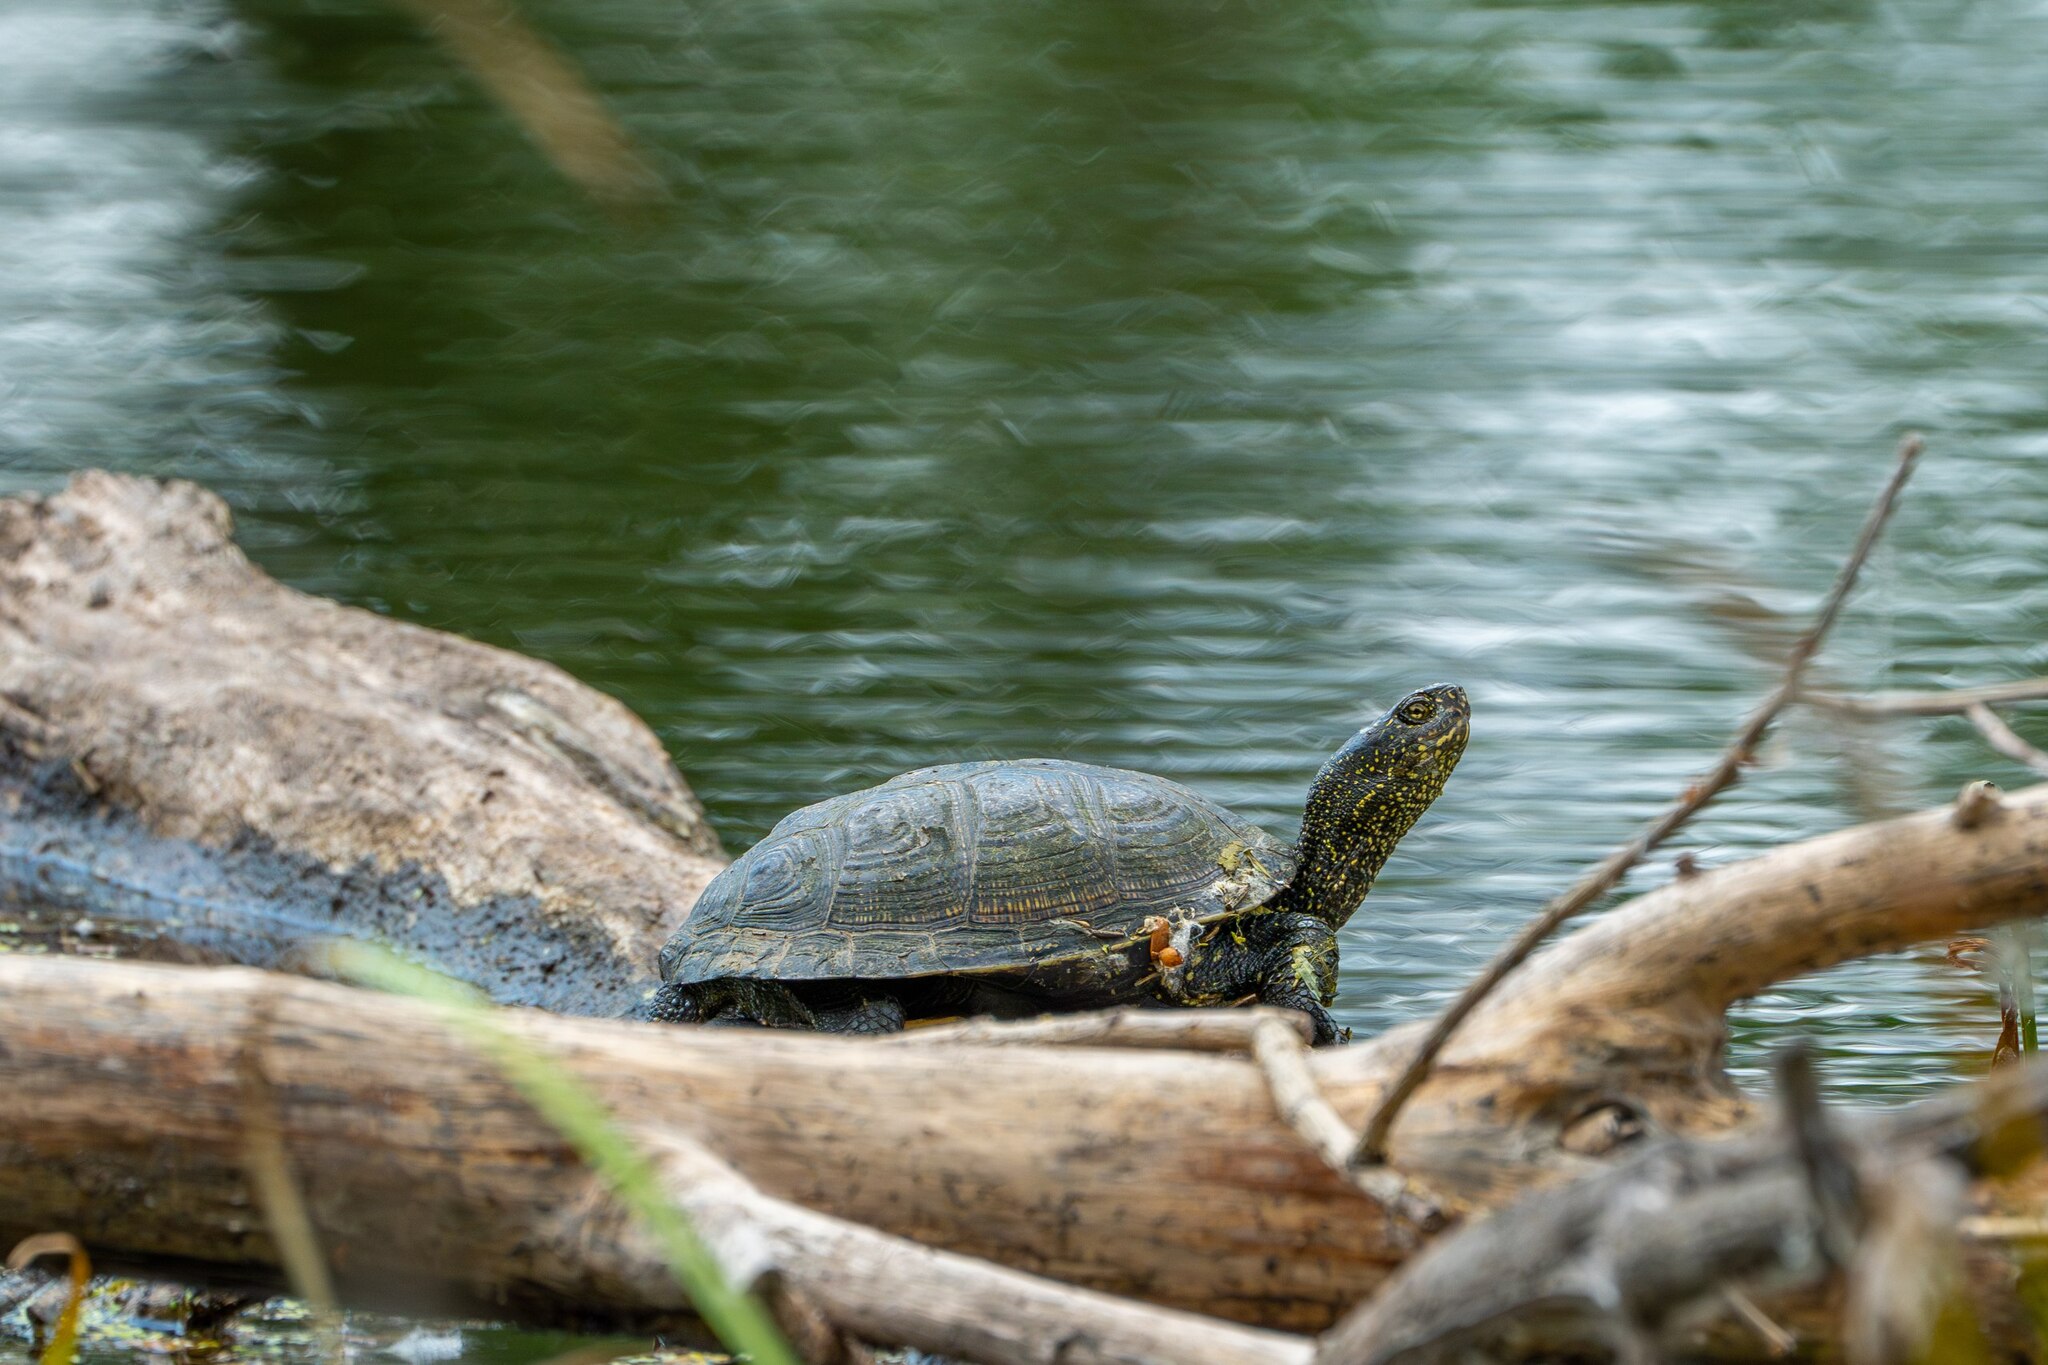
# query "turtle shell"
(1038, 870)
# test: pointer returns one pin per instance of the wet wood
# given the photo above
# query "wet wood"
(1163, 1176)
(1629, 1012)
(213, 766)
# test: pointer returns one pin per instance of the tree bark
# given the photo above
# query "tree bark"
(885, 1289)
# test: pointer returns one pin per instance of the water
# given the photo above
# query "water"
(1150, 384)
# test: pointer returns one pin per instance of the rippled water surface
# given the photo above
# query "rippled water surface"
(1159, 384)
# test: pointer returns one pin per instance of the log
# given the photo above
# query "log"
(1622, 1261)
(418, 1159)
(885, 1289)
(1168, 1176)
(225, 769)
(1666, 1225)
(1622, 1025)
(211, 766)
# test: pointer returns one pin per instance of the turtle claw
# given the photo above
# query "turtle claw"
(868, 1017)
(1327, 1030)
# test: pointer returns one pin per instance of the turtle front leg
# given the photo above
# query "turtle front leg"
(1283, 958)
(1298, 971)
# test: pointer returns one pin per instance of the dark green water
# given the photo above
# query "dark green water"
(1159, 384)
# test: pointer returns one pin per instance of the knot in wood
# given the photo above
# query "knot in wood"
(1601, 1129)
(1976, 803)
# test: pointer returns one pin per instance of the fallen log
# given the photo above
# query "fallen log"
(884, 1289)
(225, 769)
(1620, 1028)
(1168, 1176)
(1623, 1261)
(211, 766)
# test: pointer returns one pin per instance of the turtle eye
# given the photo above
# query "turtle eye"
(1418, 711)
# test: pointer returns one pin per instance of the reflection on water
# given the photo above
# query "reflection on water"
(1159, 385)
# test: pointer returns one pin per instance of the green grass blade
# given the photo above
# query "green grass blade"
(2019, 957)
(740, 1320)
(63, 1344)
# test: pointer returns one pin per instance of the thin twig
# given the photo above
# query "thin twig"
(1949, 702)
(1997, 1228)
(1603, 878)
(30, 727)
(2001, 737)
(1779, 1342)
(1282, 1058)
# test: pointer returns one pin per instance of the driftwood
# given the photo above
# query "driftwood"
(886, 1289)
(1614, 1262)
(211, 766)
(1165, 1176)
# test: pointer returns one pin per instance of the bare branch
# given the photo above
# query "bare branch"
(1779, 1342)
(545, 94)
(886, 1289)
(1610, 871)
(2001, 737)
(1277, 1040)
(1977, 802)
(1627, 1251)
(1687, 950)
(1946, 702)
(2003, 1228)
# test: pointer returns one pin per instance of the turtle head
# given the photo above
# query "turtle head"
(1370, 793)
(1409, 751)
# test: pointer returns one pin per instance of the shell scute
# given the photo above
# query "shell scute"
(1041, 849)
(781, 885)
(901, 860)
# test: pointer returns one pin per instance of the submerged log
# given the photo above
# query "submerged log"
(210, 765)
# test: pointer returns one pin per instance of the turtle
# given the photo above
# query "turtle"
(1019, 886)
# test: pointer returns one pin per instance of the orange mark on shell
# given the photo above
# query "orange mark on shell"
(1161, 930)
